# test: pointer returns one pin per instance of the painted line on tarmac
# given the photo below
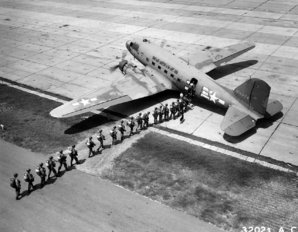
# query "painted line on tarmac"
(223, 151)
(27, 90)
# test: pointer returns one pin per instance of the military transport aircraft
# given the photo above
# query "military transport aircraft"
(164, 70)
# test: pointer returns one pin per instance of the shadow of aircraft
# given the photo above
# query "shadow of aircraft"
(127, 108)
(261, 123)
(225, 70)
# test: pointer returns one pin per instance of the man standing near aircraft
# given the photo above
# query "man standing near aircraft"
(41, 172)
(62, 161)
(16, 184)
(131, 125)
(51, 166)
(90, 144)
(172, 110)
(29, 178)
(113, 134)
(160, 114)
(73, 155)
(122, 129)
(155, 115)
(140, 121)
(146, 120)
(100, 137)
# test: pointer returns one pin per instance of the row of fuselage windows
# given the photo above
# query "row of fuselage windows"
(165, 71)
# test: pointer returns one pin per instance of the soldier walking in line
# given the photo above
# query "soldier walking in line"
(166, 112)
(51, 166)
(73, 155)
(146, 119)
(16, 184)
(177, 108)
(155, 115)
(41, 172)
(131, 125)
(62, 161)
(100, 137)
(181, 110)
(29, 178)
(113, 134)
(90, 144)
(122, 129)
(172, 110)
(139, 121)
(160, 114)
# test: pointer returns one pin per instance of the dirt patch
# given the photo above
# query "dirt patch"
(223, 190)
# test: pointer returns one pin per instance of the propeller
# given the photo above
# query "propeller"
(163, 42)
(120, 64)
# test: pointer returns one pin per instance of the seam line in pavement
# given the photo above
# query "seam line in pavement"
(223, 151)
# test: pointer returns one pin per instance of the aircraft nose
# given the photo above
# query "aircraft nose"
(128, 45)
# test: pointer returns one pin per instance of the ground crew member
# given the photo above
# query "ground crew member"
(139, 121)
(131, 125)
(146, 119)
(113, 134)
(41, 172)
(166, 112)
(155, 115)
(172, 110)
(100, 137)
(29, 178)
(90, 144)
(73, 155)
(51, 166)
(160, 114)
(16, 184)
(122, 129)
(62, 161)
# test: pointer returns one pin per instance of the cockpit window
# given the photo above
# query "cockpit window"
(134, 46)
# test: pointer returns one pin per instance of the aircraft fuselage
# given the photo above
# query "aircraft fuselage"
(178, 72)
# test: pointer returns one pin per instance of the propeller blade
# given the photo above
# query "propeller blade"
(114, 68)
(163, 42)
(124, 54)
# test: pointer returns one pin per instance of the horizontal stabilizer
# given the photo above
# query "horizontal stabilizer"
(224, 55)
(273, 107)
(236, 122)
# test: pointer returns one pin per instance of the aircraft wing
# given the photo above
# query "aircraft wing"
(236, 122)
(209, 58)
(133, 86)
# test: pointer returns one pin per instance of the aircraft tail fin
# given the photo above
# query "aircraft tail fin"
(255, 93)
(236, 122)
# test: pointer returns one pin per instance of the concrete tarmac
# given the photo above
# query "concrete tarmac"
(80, 202)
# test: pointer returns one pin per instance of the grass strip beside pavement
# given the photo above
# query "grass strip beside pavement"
(223, 190)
